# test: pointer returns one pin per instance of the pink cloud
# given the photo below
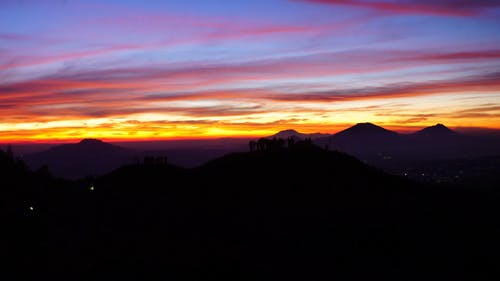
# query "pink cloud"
(106, 92)
(461, 56)
(28, 61)
(437, 7)
(480, 83)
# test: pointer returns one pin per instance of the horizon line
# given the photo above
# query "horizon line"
(398, 129)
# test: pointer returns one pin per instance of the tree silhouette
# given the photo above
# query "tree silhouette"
(9, 153)
(252, 145)
(290, 142)
(264, 144)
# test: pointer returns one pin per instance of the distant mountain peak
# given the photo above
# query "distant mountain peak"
(439, 126)
(289, 131)
(92, 144)
(86, 157)
(90, 141)
(438, 129)
(366, 125)
(366, 128)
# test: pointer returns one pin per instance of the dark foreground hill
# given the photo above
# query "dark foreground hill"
(298, 214)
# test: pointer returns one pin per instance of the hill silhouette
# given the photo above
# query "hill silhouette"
(292, 214)
(93, 157)
(85, 158)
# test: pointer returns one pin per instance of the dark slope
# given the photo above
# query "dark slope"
(311, 167)
(303, 214)
(25, 212)
(309, 214)
(86, 158)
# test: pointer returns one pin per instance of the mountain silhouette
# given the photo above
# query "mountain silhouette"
(362, 139)
(375, 145)
(91, 142)
(86, 146)
(437, 131)
(361, 130)
(77, 160)
(439, 142)
(400, 153)
(290, 133)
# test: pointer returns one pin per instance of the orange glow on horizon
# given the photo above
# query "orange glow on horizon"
(208, 119)
(243, 132)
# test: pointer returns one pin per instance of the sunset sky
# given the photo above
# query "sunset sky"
(150, 69)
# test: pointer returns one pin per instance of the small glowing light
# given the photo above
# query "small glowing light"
(32, 208)
(91, 188)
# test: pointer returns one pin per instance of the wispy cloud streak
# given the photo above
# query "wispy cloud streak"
(438, 7)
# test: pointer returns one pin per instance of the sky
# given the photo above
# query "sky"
(146, 69)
